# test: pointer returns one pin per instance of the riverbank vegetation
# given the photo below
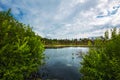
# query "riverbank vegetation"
(21, 51)
(84, 42)
(103, 61)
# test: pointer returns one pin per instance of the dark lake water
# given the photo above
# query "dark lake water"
(62, 63)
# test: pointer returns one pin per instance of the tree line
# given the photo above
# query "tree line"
(65, 41)
(82, 41)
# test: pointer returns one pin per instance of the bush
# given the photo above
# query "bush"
(102, 63)
(21, 51)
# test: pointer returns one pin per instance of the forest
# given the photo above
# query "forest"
(68, 42)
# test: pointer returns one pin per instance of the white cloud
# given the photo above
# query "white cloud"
(81, 1)
(66, 18)
(64, 9)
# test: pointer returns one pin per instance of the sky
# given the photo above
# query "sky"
(66, 19)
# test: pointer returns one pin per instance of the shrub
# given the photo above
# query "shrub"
(21, 51)
(103, 62)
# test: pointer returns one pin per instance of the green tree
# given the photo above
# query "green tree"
(103, 62)
(21, 51)
(107, 35)
(89, 43)
(114, 32)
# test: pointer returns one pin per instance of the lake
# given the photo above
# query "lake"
(62, 63)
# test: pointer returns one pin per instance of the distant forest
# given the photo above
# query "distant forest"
(82, 41)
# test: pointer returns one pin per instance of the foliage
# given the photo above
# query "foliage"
(66, 41)
(20, 49)
(103, 63)
(106, 34)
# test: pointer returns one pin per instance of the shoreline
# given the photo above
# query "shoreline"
(62, 46)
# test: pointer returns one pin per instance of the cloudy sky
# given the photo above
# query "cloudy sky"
(63, 19)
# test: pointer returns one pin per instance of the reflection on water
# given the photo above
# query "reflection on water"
(62, 64)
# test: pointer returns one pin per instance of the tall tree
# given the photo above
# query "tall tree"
(114, 32)
(106, 35)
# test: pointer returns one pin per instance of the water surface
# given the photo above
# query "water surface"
(62, 63)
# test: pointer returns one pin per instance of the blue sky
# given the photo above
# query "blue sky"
(63, 19)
